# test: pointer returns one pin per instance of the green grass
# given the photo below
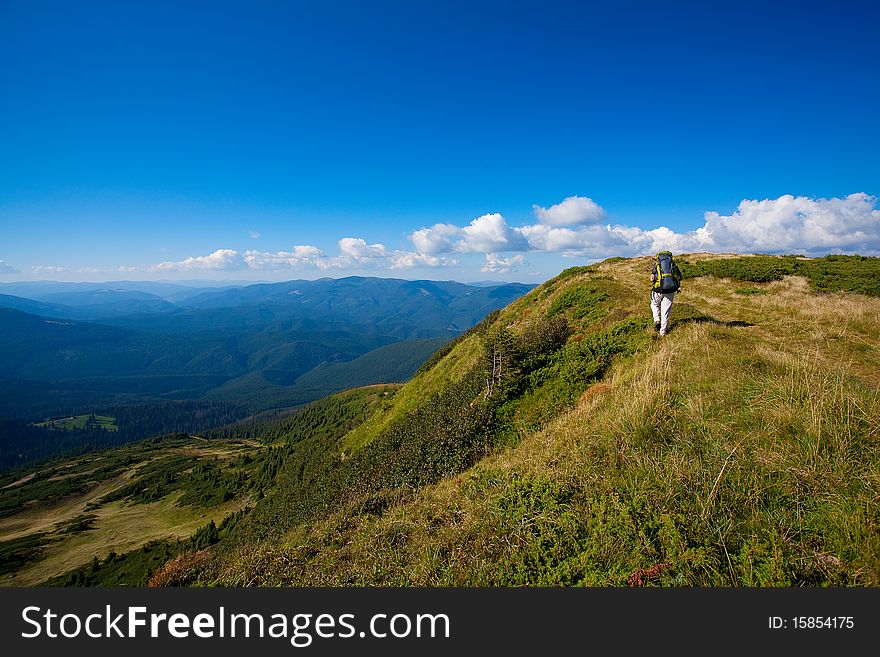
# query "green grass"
(757, 269)
(740, 450)
(846, 273)
(60, 515)
(135, 568)
(450, 369)
(17, 552)
(581, 302)
(833, 273)
(73, 423)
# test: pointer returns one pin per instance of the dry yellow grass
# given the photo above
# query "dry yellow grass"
(118, 526)
(741, 449)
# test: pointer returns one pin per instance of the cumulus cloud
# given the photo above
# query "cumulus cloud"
(572, 228)
(490, 233)
(785, 224)
(219, 260)
(486, 234)
(583, 241)
(48, 269)
(791, 223)
(354, 253)
(572, 211)
(439, 238)
(357, 248)
(408, 260)
(497, 264)
(125, 269)
(6, 268)
(299, 256)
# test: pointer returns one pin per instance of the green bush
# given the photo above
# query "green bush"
(479, 329)
(571, 272)
(583, 303)
(554, 382)
(18, 552)
(833, 273)
(756, 269)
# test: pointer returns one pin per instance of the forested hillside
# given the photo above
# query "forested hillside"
(165, 358)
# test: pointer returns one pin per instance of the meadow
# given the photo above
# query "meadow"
(740, 450)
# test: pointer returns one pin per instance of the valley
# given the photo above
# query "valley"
(162, 358)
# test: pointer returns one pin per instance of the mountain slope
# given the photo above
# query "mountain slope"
(390, 305)
(90, 305)
(742, 449)
(69, 521)
(36, 307)
(246, 345)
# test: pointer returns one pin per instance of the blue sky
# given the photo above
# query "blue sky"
(463, 140)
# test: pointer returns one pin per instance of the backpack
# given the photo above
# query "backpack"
(667, 276)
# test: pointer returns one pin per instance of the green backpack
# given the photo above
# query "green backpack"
(667, 277)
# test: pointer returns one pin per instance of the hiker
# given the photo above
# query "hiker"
(665, 281)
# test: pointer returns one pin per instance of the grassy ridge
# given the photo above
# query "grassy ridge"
(741, 450)
(509, 376)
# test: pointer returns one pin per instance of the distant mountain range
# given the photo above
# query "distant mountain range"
(262, 346)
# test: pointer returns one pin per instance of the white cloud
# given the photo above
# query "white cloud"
(300, 256)
(584, 241)
(497, 264)
(219, 260)
(486, 234)
(786, 224)
(439, 238)
(791, 223)
(255, 234)
(490, 234)
(125, 269)
(357, 248)
(44, 269)
(354, 253)
(408, 260)
(572, 211)
(6, 268)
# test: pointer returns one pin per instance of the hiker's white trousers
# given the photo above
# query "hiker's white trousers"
(661, 306)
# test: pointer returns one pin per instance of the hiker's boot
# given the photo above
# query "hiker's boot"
(656, 326)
